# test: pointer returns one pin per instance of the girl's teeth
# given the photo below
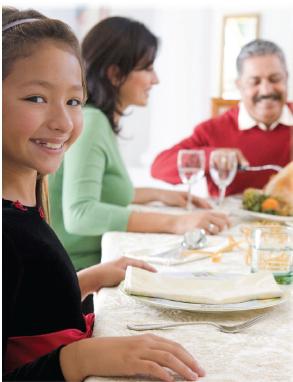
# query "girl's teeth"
(53, 145)
(50, 145)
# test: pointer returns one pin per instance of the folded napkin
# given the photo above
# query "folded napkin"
(216, 245)
(260, 285)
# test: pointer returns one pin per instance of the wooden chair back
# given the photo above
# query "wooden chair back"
(220, 105)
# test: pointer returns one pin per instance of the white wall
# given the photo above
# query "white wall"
(188, 62)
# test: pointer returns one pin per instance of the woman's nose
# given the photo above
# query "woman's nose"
(155, 78)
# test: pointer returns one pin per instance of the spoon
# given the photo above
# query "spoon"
(192, 240)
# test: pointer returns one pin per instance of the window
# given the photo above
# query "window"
(237, 31)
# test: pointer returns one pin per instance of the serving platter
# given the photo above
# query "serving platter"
(234, 207)
(263, 216)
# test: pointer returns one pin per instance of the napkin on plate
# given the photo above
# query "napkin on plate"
(260, 285)
(215, 245)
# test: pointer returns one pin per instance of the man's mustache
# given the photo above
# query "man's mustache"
(272, 96)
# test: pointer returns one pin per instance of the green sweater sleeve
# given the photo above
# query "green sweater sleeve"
(96, 186)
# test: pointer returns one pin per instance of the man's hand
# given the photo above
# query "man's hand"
(242, 161)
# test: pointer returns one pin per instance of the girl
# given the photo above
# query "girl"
(45, 335)
(91, 191)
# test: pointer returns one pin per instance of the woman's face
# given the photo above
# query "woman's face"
(42, 97)
(135, 90)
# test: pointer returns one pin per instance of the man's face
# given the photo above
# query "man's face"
(263, 87)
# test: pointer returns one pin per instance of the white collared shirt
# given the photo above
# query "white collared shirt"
(246, 122)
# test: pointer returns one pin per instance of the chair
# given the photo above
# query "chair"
(220, 105)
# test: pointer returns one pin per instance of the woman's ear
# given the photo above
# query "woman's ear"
(114, 75)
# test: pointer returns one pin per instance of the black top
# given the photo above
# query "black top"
(40, 288)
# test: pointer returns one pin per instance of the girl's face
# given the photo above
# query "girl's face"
(135, 90)
(42, 117)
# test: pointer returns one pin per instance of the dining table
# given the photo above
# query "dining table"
(260, 353)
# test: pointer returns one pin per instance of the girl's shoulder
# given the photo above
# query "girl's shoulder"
(17, 217)
(12, 226)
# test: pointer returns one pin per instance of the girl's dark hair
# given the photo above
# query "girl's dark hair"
(21, 40)
(120, 42)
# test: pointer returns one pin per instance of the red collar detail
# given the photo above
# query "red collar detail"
(19, 206)
(41, 212)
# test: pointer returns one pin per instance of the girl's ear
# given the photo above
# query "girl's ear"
(114, 75)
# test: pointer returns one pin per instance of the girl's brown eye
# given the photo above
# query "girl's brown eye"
(74, 102)
(35, 99)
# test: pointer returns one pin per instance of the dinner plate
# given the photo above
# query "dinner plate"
(208, 308)
(263, 216)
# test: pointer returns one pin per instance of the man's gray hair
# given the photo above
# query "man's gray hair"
(256, 48)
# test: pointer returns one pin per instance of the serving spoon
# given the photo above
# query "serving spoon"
(273, 167)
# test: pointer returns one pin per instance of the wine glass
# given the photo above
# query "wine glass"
(223, 167)
(191, 165)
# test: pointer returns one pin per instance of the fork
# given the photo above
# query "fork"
(223, 328)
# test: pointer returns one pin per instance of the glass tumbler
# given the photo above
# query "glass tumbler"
(272, 250)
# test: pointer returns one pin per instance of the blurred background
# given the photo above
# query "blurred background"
(199, 41)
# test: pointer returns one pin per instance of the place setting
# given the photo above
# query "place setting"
(264, 283)
(204, 291)
(192, 246)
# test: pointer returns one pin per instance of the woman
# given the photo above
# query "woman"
(92, 190)
(45, 335)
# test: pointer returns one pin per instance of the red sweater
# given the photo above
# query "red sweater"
(258, 146)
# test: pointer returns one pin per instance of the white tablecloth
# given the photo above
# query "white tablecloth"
(262, 353)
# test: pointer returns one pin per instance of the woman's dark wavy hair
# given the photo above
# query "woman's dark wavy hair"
(115, 41)
(20, 41)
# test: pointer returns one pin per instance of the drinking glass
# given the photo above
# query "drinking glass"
(223, 167)
(191, 165)
(272, 250)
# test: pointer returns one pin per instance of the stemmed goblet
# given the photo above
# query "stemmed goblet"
(223, 168)
(191, 165)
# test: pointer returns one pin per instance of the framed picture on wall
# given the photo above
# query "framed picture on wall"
(237, 31)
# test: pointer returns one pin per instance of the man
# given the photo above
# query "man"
(259, 130)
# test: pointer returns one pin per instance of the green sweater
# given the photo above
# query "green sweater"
(90, 191)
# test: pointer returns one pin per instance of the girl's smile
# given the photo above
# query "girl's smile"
(46, 88)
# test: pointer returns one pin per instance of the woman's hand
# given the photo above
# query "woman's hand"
(168, 197)
(211, 222)
(145, 354)
(107, 274)
(179, 199)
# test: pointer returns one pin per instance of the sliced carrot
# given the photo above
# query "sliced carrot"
(270, 204)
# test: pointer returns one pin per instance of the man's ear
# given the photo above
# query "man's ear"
(113, 74)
